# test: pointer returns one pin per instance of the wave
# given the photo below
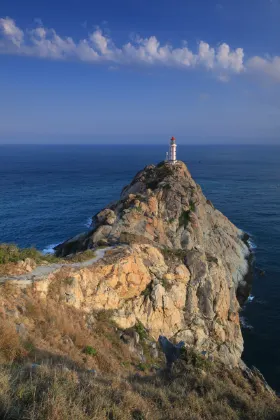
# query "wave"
(88, 223)
(250, 298)
(49, 249)
(252, 244)
(245, 324)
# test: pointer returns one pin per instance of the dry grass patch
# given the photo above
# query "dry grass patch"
(10, 346)
(46, 393)
(61, 333)
(67, 344)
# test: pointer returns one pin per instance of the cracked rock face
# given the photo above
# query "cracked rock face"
(177, 264)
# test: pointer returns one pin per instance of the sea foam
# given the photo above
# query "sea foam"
(88, 223)
(49, 249)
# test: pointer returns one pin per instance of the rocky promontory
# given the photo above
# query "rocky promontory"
(174, 264)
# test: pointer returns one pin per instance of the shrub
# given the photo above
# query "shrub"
(141, 330)
(169, 253)
(91, 351)
(10, 253)
(192, 206)
(82, 256)
(143, 367)
(10, 347)
(196, 360)
(184, 218)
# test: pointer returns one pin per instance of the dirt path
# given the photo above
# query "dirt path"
(42, 271)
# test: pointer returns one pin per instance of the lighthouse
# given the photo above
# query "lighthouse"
(172, 150)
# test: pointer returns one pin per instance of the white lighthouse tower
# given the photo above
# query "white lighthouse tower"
(172, 150)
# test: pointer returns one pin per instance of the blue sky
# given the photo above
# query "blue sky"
(129, 71)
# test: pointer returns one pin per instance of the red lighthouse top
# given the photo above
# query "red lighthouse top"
(173, 138)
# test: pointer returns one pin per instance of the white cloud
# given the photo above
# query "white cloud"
(97, 47)
(265, 66)
(228, 59)
(46, 43)
(11, 32)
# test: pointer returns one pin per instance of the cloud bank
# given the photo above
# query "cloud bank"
(99, 48)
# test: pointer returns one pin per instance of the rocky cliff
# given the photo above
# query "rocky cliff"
(176, 264)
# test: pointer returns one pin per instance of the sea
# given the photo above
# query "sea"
(49, 193)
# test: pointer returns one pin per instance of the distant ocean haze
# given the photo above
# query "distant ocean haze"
(50, 193)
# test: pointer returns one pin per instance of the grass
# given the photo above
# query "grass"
(138, 209)
(61, 385)
(91, 351)
(53, 392)
(10, 346)
(48, 374)
(82, 256)
(170, 254)
(10, 253)
(143, 367)
(60, 333)
(192, 206)
(141, 330)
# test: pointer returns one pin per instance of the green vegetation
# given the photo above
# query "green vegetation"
(82, 256)
(138, 209)
(196, 359)
(169, 253)
(51, 375)
(10, 253)
(143, 367)
(192, 206)
(184, 218)
(157, 175)
(141, 330)
(90, 351)
(148, 290)
(50, 391)
(166, 284)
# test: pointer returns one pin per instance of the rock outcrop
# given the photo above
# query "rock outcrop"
(176, 264)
